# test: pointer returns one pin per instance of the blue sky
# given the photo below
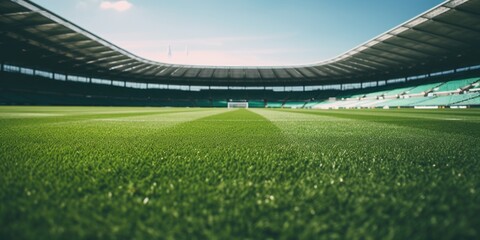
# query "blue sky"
(238, 32)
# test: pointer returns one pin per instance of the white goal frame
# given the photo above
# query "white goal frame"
(237, 105)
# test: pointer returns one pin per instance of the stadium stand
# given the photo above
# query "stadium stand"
(446, 100)
(374, 95)
(474, 101)
(219, 103)
(398, 91)
(432, 94)
(256, 103)
(456, 85)
(403, 102)
(294, 104)
(274, 104)
(21, 89)
(310, 104)
(422, 89)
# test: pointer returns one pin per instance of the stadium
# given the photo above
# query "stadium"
(379, 142)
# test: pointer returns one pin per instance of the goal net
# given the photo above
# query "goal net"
(237, 104)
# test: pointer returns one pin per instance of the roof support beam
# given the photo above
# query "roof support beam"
(166, 70)
(289, 75)
(22, 24)
(198, 73)
(437, 35)
(456, 26)
(473, 14)
(192, 72)
(329, 69)
(31, 40)
(261, 75)
(93, 48)
(106, 63)
(408, 48)
(301, 73)
(358, 67)
(128, 67)
(443, 48)
(79, 43)
(63, 35)
(365, 64)
(274, 74)
(10, 14)
(122, 72)
(292, 71)
(317, 71)
(90, 59)
(354, 69)
(144, 69)
(342, 69)
(120, 63)
(370, 61)
(394, 61)
(154, 70)
(174, 73)
(395, 53)
(103, 57)
(38, 25)
(278, 72)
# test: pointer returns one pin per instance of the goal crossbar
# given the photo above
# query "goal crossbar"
(237, 105)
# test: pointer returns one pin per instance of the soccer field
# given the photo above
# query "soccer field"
(179, 173)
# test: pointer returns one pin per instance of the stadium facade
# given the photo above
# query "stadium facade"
(45, 59)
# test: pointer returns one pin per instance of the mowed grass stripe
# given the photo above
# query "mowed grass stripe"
(468, 125)
(8, 118)
(393, 180)
(31, 111)
(470, 115)
(196, 177)
(90, 135)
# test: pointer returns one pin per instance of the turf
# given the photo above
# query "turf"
(172, 173)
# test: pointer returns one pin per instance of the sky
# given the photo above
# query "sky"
(238, 32)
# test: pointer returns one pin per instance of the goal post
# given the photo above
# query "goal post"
(237, 105)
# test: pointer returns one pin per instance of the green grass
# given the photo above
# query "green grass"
(172, 173)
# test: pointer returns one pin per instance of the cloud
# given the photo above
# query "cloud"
(119, 6)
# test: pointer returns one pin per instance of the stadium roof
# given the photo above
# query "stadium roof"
(443, 38)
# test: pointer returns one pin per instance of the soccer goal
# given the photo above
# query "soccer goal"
(237, 104)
